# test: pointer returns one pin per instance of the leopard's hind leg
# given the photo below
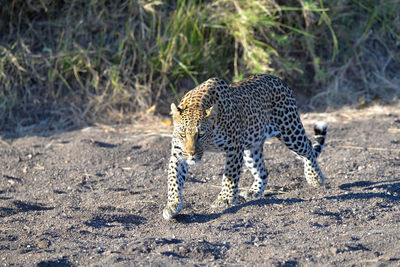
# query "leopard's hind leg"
(294, 137)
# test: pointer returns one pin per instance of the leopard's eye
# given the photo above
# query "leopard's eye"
(182, 135)
(202, 133)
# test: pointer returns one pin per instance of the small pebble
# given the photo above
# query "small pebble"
(43, 243)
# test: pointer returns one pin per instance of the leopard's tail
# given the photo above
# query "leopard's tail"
(320, 130)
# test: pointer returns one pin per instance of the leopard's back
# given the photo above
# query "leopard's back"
(259, 107)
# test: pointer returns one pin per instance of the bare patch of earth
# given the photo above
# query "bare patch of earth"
(95, 197)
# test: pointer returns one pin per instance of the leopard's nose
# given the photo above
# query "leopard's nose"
(191, 153)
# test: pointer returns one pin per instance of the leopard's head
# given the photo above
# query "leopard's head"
(192, 130)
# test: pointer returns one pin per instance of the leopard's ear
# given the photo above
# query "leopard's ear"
(175, 111)
(209, 111)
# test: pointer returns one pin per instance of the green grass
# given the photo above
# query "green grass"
(67, 64)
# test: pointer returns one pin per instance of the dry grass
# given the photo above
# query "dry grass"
(369, 61)
(67, 64)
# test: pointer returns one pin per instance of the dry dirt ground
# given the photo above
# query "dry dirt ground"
(94, 197)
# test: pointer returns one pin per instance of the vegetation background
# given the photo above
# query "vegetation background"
(64, 64)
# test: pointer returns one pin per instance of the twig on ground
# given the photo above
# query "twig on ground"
(368, 148)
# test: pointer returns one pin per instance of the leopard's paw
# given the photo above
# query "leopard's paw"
(249, 195)
(172, 209)
(223, 203)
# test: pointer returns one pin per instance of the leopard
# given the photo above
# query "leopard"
(236, 119)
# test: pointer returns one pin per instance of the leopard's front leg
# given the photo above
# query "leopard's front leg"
(177, 172)
(230, 180)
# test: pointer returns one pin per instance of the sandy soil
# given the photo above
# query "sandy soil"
(94, 197)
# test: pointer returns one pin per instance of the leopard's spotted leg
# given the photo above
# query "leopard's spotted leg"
(313, 174)
(177, 172)
(297, 141)
(254, 160)
(230, 180)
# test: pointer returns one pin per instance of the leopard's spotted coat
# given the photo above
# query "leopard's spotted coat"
(236, 120)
